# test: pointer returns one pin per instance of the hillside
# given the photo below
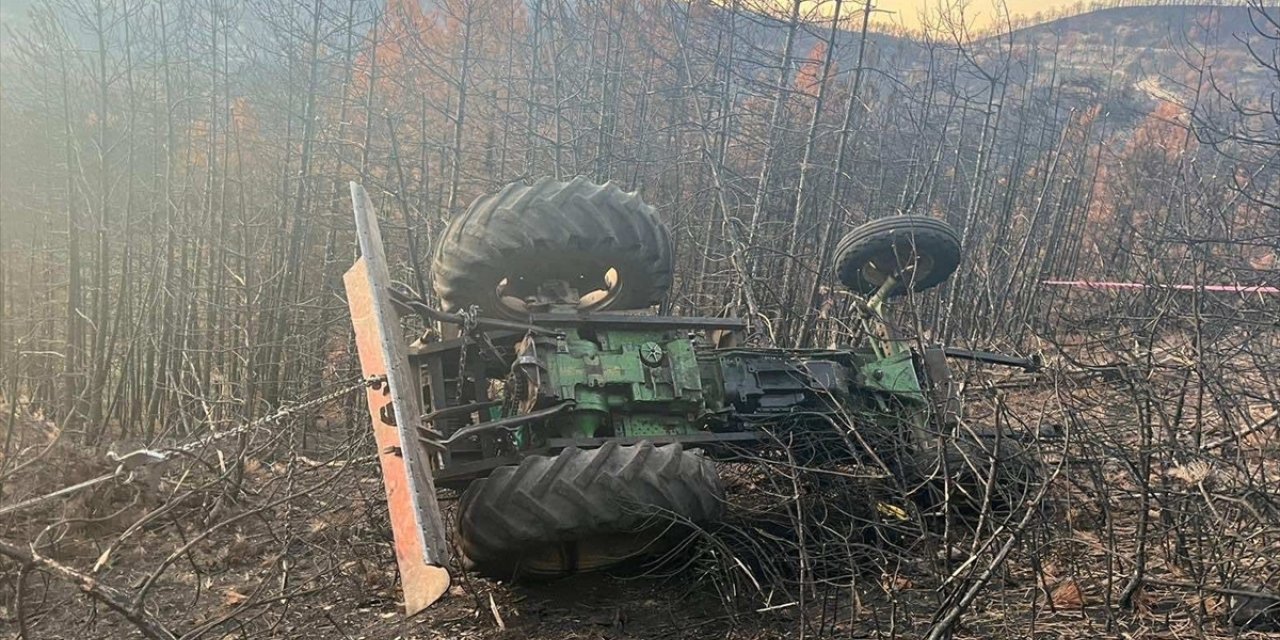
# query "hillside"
(1152, 50)
(1157, 50)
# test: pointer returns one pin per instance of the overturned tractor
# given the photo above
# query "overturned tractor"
(583, 430)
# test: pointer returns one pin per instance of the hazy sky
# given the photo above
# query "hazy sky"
(904, 12)
(979, 13)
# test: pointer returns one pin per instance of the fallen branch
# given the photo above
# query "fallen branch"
(1254, 428)
(946, 622)
(113, 598)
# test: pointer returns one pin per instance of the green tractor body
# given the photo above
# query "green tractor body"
(579, 426)
(630, 378)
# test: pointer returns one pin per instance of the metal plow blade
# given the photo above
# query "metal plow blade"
(394, 409)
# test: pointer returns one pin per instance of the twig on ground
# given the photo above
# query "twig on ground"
(112, 597)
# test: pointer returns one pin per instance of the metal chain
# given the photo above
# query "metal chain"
(279, 415)
(125, 464)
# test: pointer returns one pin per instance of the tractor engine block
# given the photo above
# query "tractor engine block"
(624, 383)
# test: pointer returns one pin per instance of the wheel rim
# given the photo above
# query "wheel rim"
(909, 268)
(596, 299)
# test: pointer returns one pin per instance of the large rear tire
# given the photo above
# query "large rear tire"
(585, 509)
(604, 242)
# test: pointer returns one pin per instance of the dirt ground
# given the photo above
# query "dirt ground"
(288, 545)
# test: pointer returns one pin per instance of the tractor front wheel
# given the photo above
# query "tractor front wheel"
(919, 251)
(586, 509)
